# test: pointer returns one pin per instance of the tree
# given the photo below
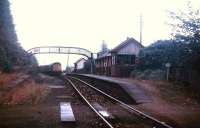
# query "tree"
(159, 53)
(187, 30)
(11, 53)
(186, 25)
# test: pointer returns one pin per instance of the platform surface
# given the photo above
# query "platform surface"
(134, 91)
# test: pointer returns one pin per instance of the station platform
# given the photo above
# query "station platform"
(133, 90)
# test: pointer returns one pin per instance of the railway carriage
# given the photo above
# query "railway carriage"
(56, 67)
(52, 69)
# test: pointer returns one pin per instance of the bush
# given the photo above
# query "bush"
(149, 74)
(26, 93)
(158, 54)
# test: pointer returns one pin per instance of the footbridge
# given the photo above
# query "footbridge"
(63, 50)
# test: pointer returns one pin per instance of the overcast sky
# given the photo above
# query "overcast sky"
(85, 23)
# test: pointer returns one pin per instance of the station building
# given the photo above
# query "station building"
(119, 61)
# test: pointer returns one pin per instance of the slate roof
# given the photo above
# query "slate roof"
(118, 47)
(126, 42)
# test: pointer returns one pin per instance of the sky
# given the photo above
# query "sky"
(86, 23)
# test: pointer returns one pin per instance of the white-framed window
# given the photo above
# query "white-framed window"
(113, 60)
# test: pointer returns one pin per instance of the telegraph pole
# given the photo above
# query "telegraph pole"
(91, 64)
(141, 27)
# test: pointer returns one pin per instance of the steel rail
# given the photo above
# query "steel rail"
(126, 105)
(73, 85)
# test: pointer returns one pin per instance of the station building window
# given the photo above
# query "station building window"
(125, 59)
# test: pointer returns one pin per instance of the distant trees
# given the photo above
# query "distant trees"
(11, 53)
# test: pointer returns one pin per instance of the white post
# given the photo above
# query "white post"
(67, 63)
(168, 65)
(91, 64)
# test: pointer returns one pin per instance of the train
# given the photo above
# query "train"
(51, 69)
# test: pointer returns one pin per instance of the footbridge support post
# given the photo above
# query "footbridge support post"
(92, 64)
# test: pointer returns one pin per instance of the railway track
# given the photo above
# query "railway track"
(118, 114)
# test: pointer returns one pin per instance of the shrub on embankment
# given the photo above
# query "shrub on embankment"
(148, 74)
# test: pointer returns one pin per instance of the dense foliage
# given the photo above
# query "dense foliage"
(11, 53)
(169, 51)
